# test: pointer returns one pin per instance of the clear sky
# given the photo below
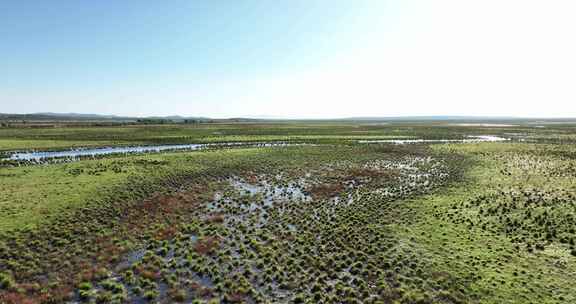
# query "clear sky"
(289, 58)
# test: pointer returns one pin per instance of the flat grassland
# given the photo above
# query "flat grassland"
(334, 221)
(48, 138)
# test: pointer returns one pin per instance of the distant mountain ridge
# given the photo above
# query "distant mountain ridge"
(440, 117)
(90, 117)
(178, 118)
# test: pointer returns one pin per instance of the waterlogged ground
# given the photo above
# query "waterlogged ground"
(462, 222)
(281, 239)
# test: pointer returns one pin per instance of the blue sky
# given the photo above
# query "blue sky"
(289, 58)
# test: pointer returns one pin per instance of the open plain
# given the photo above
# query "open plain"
(313, 213)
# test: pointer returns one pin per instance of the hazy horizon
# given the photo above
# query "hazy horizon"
(290, 59)
(271, 117)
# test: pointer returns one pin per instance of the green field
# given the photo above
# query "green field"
(74, 136)
(332, 222)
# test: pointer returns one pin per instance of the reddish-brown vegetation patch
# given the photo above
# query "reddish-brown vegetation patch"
(166, 233)
(130, 220)
(235, 297)
(326, 190)
(215, 218)
(372, 173)
(207, 245)
(16, 298)
(251, 178)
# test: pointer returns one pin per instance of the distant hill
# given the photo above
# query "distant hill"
(79, 117)
(48, 116)
(427, 118)
(63, 117)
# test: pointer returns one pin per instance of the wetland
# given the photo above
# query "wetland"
(289, 213)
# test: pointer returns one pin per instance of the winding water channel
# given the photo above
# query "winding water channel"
(39, 156)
